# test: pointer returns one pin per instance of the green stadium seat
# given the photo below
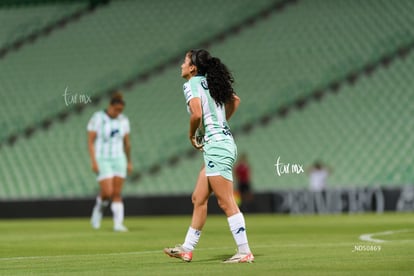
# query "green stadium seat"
(18, 22)
(361, 131)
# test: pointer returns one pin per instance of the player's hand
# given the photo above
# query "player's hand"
(129, 167)
(195, 144)
(95, 167)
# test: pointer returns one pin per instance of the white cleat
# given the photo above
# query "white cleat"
(240, 258)
(96, 218)
(179, 253)
(120, 228)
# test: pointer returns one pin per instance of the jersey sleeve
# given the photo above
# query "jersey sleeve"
(94, 123)
(190, 91)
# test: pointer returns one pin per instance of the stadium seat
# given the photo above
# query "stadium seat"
(359, 131)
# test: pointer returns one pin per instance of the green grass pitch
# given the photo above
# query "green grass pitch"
(282, 245)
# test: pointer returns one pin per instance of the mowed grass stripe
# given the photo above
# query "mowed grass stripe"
(282, 244)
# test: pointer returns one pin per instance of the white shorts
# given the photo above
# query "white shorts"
(111, 167)
(219, 158)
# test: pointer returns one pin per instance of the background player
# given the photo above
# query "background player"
(109, 150)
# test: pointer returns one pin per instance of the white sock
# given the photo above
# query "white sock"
(191, 239)
(118, 212)
(101, 204)
(238, 229)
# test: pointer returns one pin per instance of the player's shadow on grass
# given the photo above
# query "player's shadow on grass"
(220, 258)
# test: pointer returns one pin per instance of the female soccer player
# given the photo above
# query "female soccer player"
(109, 150)
(211, 102)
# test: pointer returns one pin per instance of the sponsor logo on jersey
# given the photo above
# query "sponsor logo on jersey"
(114, 132)
(204, 84)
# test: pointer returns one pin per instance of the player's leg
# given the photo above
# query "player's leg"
(104, 178)
(119, 167)
(102, 201)
(200, 197)
(117, 205)
(220, 158)
(223, 190)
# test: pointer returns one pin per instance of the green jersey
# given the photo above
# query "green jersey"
(214, 123)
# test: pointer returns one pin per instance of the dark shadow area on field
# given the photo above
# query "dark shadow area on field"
(220, 258)
(174, 261)
(217, 258)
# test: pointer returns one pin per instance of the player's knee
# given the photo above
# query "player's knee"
(199, 201)
(107, 194)
(116, 197)
(228, 207)
(222, 204)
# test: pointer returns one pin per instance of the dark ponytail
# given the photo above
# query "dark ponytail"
(220, 80)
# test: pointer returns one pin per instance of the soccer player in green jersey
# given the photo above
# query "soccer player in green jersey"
(109, 150)
(211, 101)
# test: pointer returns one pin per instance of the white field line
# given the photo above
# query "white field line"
(370, 236)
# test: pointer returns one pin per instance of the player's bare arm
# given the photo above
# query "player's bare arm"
(91, 148)
(127, 150)
(195, 120)
(232, 106)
